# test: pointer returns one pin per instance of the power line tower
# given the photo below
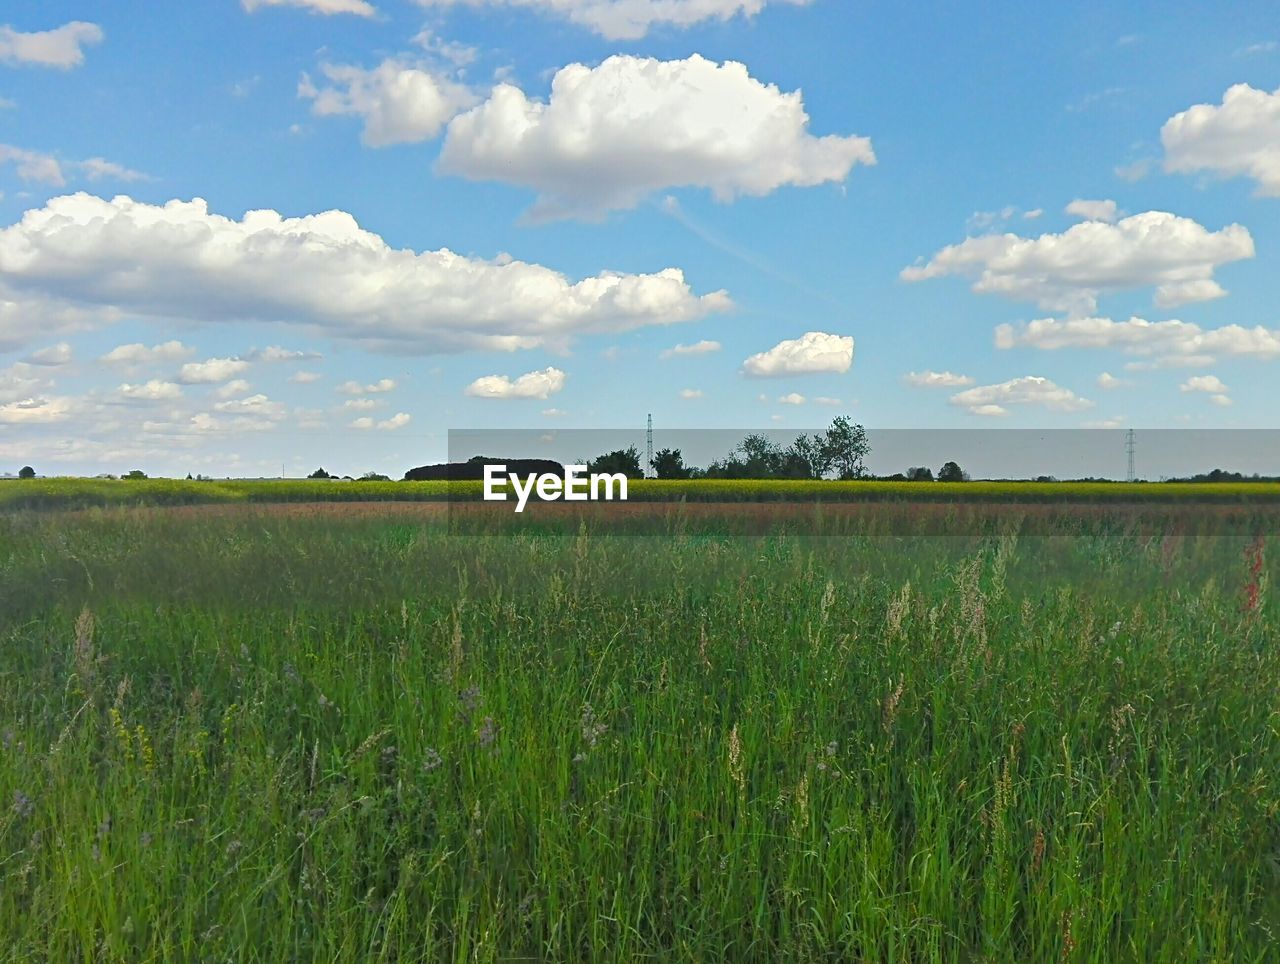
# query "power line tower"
(649, 440)
(1131, 447)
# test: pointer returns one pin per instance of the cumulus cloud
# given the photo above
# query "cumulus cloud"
(51, 357)
(1204, 383)
(1069, 271)
(690, 394)
(398, 420)
(360, 404)
(1032, 390)
(1172, 342)
(1220, 399)
(703, 347)
(1108, 382)
(254, 406)
(62, 47)
(304, 378)
(1093, 210)
(380, 387)
(792, 398)
(178, 262)
(98, 169)
(931, 379)
(613, 134)
(629, 19)
(155, 390)
(211, 371)
(401, 103)
(327, 8)
(1238, 138)
(139, 354)
(814, 352)
(540, 384)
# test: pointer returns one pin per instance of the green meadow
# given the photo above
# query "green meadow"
(259, 735)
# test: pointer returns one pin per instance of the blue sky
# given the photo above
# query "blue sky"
(876, 192)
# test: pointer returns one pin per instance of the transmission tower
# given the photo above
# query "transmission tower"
(1131, 447)
(649, 440)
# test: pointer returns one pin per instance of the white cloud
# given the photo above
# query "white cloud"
(824, 400)
(1134, 172)
(304, 378)
(793, 398)
(690, 394)
(44, 168)
(611, 135)
(380, 387)
(1108, 382)
(1223, 400)
(1204, 383)
(33, 165)
(255, 406)
(398, 420)
(360, 8)
(812, 353)
(1238, 138)
(231, 389)
(177, 262)
(401, 103)
(36, 411)
(629, 19)
(61, 47)
(97, 169)
(1069, 271)
(992, 400)
(139, 354)
(277, 354)
(19, 381)
(703, 347)
(554, 413)
(155, 390)
(51, 357)
(211, 371)
(1093, 210)
(931, 379)
(1173, 343)
(1033, 213)
(360, 404)
(540, 384)
(1116, 421)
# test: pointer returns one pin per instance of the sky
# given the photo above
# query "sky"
(254, 237)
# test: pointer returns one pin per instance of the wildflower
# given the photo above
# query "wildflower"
(23, 805)
(488, 731)
(432, 760)
(736, 768)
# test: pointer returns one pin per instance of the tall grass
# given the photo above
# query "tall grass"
(296, 738)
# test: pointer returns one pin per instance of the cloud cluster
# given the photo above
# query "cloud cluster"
(540, 384)
(401, 103)
(1093, 210)
(1238, 138)
(96, 258)
(1067, 272)
(627, 19)
(211, 371)
(814, 352)
(62, 47)
(1030, 390)
(398, 420)
(380, 387)
(140, 354)
(611, 135)
(1171, 343)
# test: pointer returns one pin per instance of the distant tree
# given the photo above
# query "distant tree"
(951, 472)
(669, 464)
(373, 477)
(805, 459)
(26, 472)
(134, 475)
(845, 447)
(625, 461)
(918, 473)
(320, 473)
(1046, 478)
(189, 479)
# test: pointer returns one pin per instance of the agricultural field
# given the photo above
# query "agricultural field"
(349, 732)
